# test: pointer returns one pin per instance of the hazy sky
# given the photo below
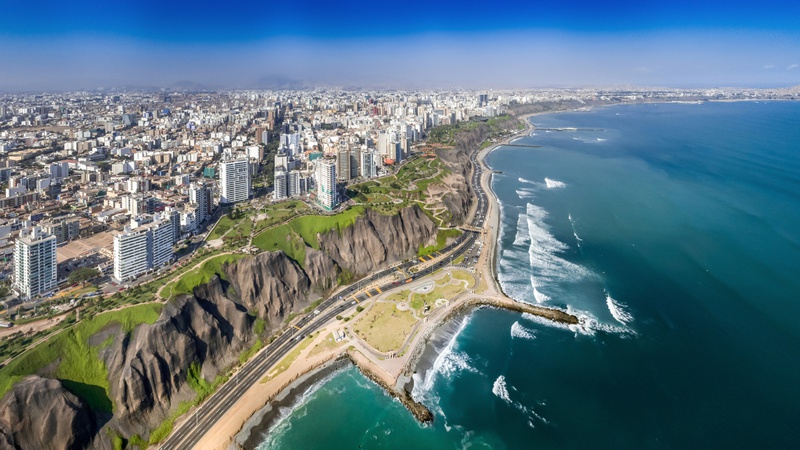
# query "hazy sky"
(61, 44)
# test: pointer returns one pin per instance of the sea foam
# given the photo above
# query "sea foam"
(447, 364)
(543, 252)
(618, 310)
(500, 389)
(554, 184)
(522, 237)
(520, 332)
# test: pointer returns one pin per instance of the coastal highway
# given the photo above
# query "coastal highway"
(217, 405)
(203, 417)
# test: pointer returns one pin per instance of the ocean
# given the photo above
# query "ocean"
(673, 230)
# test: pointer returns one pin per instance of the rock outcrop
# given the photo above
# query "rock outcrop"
(39, 413)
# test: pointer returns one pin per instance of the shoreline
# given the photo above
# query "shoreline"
(251, 431)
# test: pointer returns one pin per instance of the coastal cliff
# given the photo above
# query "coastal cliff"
(149, 370)
(376, 240)
(153, 368)
(460, 198)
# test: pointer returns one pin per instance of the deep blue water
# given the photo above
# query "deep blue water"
(673, 230)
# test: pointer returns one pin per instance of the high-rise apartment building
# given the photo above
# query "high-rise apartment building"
(35, 263)
(368, 169)
(343, 165)
(200, 196)
(280, 191)
(327, 196)
(234, 180)
(293, 187)
(146, 247)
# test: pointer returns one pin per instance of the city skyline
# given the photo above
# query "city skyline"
(53, 46)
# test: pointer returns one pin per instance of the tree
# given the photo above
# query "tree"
(83, 275)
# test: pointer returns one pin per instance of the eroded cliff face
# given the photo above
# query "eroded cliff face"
(149, 366)
(459, 200)
(270, 284)
(38, 413)
(375, 240)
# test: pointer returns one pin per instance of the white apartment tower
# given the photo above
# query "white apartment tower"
(327, 197)
(146, 247)
(35, 263)
(234, 180)
(130, 254)
(279, 185)
(293, 184)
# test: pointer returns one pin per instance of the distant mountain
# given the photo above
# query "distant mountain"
(280, 82)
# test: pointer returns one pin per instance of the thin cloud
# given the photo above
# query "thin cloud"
(793, 66)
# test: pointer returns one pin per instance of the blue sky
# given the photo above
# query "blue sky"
(84, 44)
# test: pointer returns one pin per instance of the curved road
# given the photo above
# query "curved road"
(211, 410)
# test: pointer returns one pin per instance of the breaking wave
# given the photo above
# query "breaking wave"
(554, 184)
(543, 252)
(500, 389)
(447, 364)
(537, 294)
(520, 332)
(522, 236)
(618, 310)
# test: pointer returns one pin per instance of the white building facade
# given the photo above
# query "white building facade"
(327, 196)
(234, 180)
(35, 263)
(147, 247)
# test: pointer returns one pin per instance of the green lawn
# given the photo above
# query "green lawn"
(465, 276)
(280, 212)
(225, 224)
(443, 289)
(282, 238)
(309, 226)
(77, 363)
(302, 231)
(201, 275)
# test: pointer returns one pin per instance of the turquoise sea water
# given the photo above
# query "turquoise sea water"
(673, 230)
